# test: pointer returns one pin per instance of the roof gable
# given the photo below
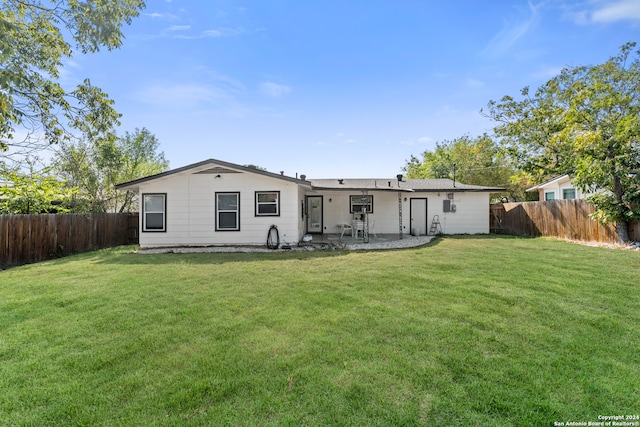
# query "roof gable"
(556, 180)
(210, 166)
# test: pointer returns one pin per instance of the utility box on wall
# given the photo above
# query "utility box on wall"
(448, 206)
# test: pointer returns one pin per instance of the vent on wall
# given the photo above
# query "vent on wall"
(216, 170)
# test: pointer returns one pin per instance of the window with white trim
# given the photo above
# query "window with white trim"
(569, 193)
(267, 203)
(154, 212)
(227, 211)
(359, 203)
(549, 195)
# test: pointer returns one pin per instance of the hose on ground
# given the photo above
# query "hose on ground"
(273, 238)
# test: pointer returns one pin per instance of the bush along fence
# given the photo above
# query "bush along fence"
(32, 238)
(565, 219)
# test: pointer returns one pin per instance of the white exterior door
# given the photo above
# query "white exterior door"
(418, 212)
(314, 214)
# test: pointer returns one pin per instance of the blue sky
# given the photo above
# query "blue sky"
(339, 88)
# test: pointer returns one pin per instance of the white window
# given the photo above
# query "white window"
(267, 203)
(359, 203)
(227, 211)
(549, 195)
(569, 193)
(154, 209)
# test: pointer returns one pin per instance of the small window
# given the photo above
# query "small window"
(569, 193)
(360, 203)
(227, 211)
(446, 205)
(154, 208)
(267, 203)
(549, 195)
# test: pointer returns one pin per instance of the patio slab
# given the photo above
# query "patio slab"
(327, 242)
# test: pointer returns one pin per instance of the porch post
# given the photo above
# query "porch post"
(400, 214)
(365, 217)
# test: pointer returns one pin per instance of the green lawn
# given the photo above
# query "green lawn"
(465, 331)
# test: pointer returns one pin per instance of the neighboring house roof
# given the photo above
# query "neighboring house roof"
(377, 184)
(557, 179)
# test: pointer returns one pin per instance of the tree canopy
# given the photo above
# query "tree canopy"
(35, 37)
(474, 160)
(32, 192)
(585, 122)
(94, 169)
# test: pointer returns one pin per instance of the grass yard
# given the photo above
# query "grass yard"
(486, 331)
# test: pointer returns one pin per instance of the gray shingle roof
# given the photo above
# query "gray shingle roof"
(217, 166)
(381, 184)
(378, 184)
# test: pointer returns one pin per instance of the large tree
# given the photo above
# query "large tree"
(585, 122)
(477, 161)
(95, 168)
(33, 191)
(35, 37)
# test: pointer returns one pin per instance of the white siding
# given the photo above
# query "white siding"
(190, 212)
(557, 186)
(471, 216)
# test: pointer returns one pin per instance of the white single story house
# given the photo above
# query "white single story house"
(219, 203)
(558, 188)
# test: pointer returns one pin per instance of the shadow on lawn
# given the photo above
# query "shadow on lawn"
(127, 255)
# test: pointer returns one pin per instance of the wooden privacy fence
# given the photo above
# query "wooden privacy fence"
(566, 219)
(32, 238)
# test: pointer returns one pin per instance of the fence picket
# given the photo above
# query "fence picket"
(31, 238)
(567, 219)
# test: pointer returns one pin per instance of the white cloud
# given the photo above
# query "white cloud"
(606, 11)
(213, 33)
(474, 83)
(511, 33)
(580, 17)
(183, 96)
(617, 11)
(223, 32)
(222, 81)
(67, 74)
(546, 73)
(179, 28)
(274, 90)
(420, 141)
